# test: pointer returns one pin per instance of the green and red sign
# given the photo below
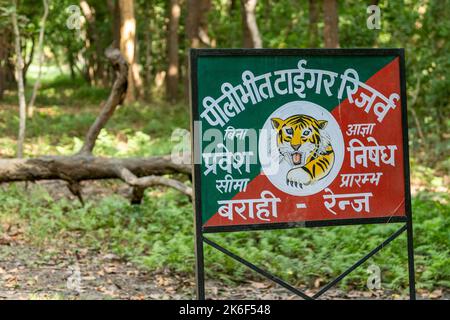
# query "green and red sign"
(288, 137)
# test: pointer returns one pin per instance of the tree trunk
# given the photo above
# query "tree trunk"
(196, 30)
(197, 23)
(173, 70)
(313, 23)
(114, 10)
(3, 58)
(128, 47)
(331, 27)
(72, 66)
(192, 17)
(97, 74)
(251, 36)
(148, 75)
(20, 83)
(27, 58)
(8, 63)
(40, 60)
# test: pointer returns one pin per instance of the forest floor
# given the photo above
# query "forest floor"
(68, 271)
(27, 272)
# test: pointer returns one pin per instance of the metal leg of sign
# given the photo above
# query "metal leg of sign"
(360, 262)
(412, 281)
(264, 273)
(268, 275)
(199, 268)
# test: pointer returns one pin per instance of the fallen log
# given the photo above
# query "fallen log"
(80, 167)
(138, 173)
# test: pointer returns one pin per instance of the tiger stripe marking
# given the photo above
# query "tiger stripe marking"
(303, 143)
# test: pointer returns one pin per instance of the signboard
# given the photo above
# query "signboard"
(286, 138)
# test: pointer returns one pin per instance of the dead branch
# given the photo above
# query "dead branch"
(115, 98)
(139, 173)
(149, 181)
(75, 188)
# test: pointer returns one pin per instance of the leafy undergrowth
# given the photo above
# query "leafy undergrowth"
(159, 234)
(58, 128)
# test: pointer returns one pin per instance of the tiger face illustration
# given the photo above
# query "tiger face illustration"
(305, 146)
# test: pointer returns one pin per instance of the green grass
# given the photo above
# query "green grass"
(65, 110)
(159, 233)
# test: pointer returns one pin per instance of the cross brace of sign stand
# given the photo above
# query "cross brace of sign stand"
(270, 276)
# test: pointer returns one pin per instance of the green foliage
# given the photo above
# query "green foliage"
(422, 27)
(158, 234)
(71, 107)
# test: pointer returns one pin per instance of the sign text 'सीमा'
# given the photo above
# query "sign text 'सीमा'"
(230, 184)
(256, 88)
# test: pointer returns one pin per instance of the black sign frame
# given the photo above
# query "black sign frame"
(199, 230)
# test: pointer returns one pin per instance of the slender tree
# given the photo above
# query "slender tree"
(40, 60)
(128, 47)
(331, 24)
(148, 48)
(20, 82)
(3, 57)
(313, 23)
(252, 37)
(173, 71)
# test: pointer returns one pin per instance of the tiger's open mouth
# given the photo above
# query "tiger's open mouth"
(297, 158)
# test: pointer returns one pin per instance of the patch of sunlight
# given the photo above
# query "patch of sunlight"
(50, 111)
(49, 73)
(7, 147)
(68, 92)
(46, 296)
(385, 38)
(49, 92)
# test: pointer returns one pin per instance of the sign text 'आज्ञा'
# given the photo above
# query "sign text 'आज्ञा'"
(290, 138)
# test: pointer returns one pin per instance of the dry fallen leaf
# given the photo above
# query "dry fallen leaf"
(436, 294)
(162, 281)
(138, 297)
(5, 240)
(10, 281)
(258, 285)
(110, 268)
(318, 282)
(110, 257)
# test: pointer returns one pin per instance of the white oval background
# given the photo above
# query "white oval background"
(267, 146)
